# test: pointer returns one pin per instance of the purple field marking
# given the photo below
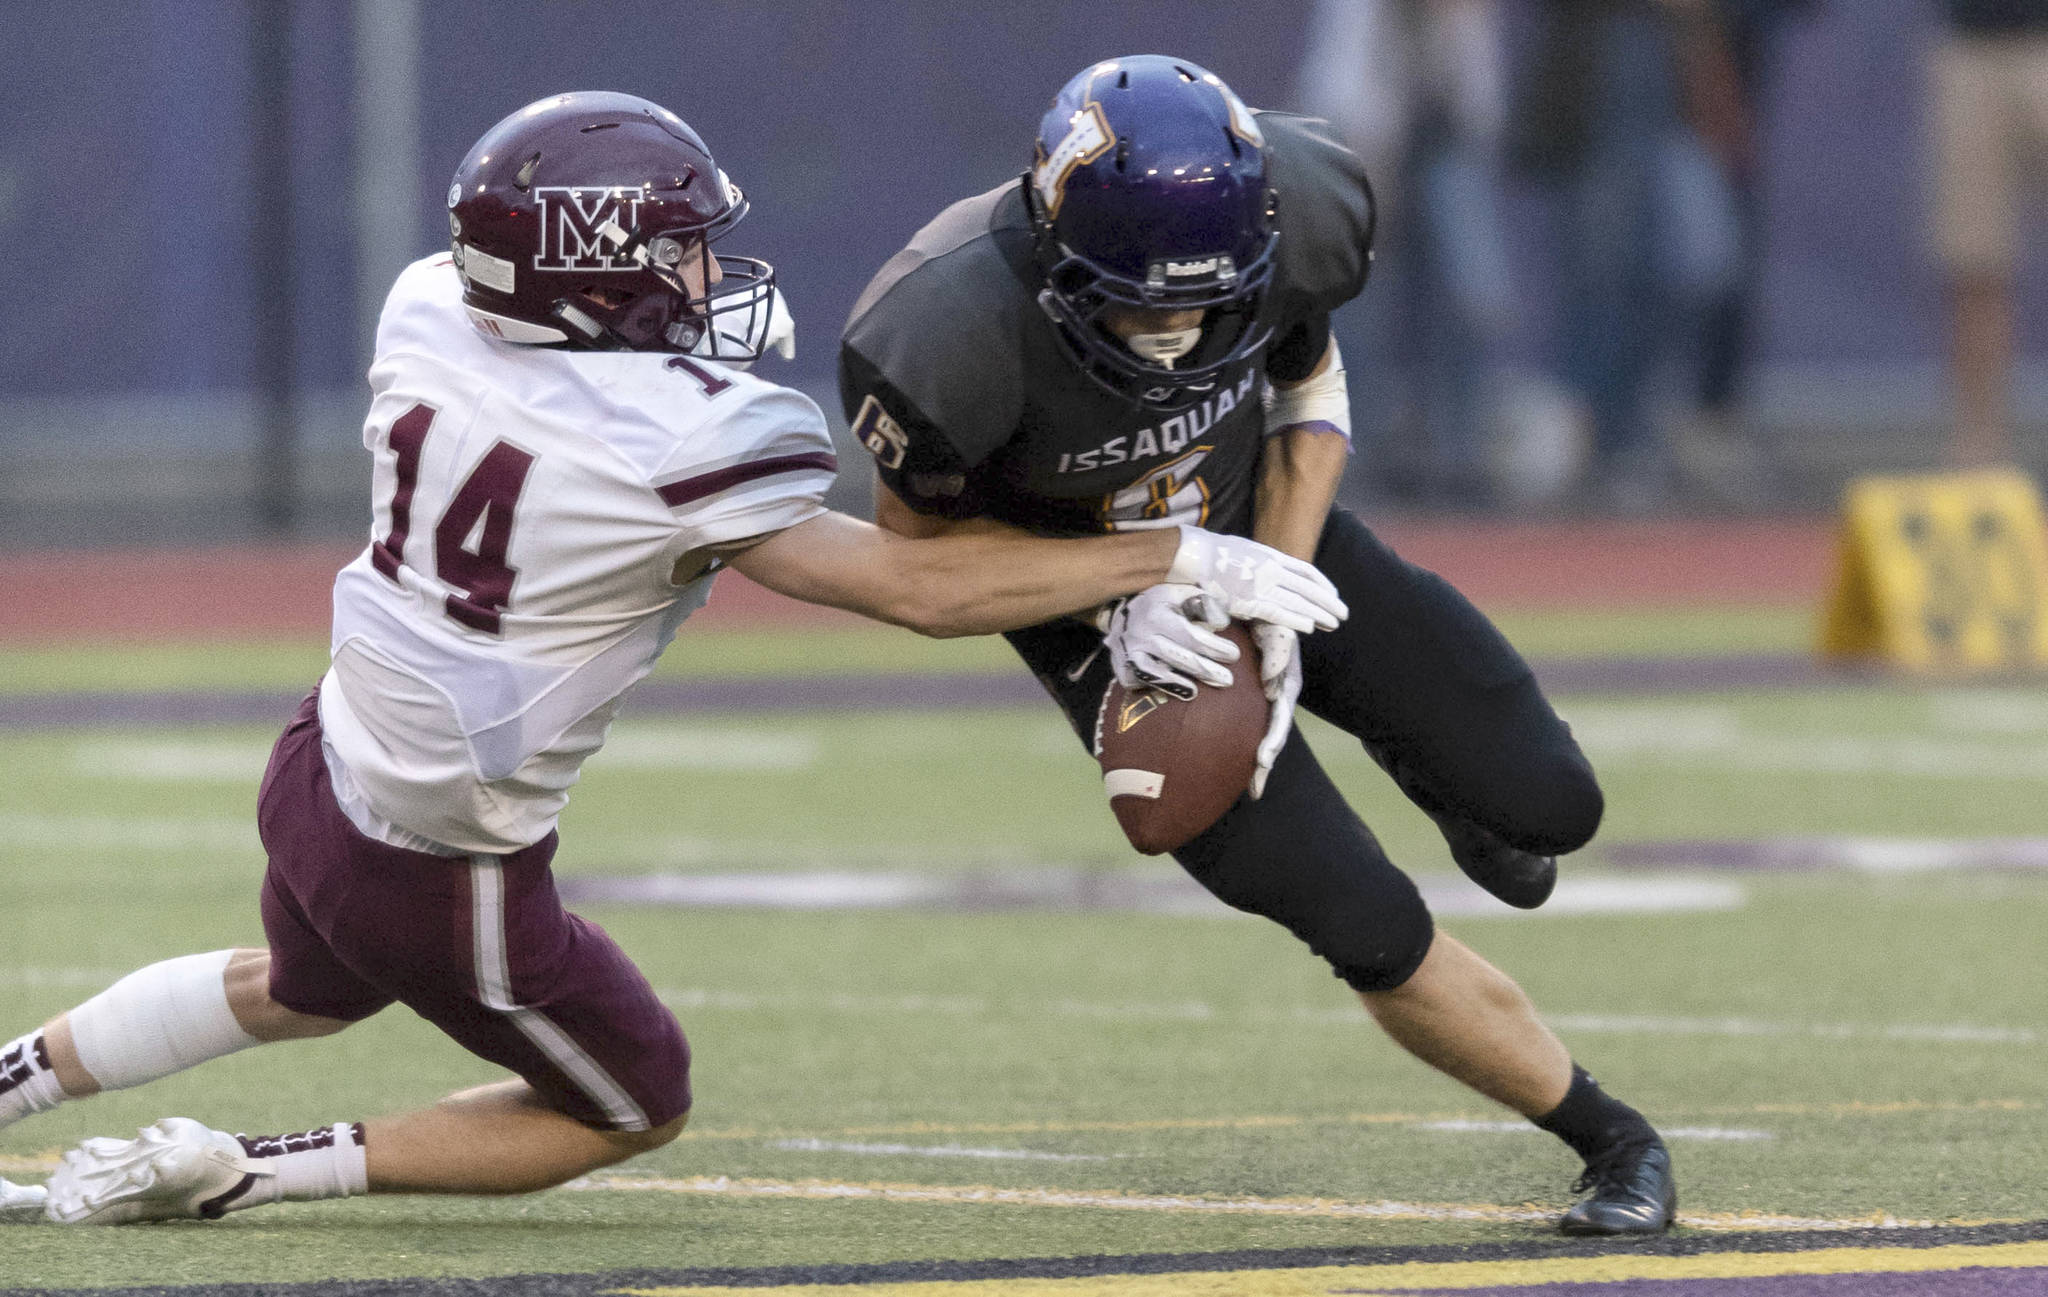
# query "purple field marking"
(1975, 1281)
(885, 692)
(69, 710)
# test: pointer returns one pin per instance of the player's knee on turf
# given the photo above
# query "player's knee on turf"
(632, 1143)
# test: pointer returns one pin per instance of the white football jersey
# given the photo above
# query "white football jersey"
(530, 505)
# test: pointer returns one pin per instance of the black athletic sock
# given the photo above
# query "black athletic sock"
(1592, 1121)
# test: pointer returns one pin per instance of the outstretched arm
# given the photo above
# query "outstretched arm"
(972, 578)
(971, 581)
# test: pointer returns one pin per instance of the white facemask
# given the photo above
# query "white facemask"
(1164, 348)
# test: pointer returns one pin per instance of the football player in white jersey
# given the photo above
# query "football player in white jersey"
(568, 448)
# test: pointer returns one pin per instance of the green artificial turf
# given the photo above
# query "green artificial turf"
(280, 664)
(1881, 1032)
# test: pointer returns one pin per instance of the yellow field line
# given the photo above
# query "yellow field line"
(1368, 1280)
(1111, 1199)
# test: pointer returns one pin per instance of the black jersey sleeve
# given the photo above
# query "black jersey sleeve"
(1326, 220)
(1295, 354)
(930, 373)
(913, 456)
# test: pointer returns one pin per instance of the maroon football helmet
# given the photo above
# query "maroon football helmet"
(575, 219)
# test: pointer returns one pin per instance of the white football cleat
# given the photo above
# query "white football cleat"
(177, 1169)
(21, 1204)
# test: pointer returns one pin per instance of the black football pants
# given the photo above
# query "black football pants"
(1437, 696)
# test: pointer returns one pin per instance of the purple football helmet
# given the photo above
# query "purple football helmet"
(1149, 189)
(574, 222)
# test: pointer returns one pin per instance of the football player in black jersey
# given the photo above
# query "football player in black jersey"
(1136, 334)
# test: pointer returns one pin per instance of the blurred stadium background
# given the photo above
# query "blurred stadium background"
(207, 202)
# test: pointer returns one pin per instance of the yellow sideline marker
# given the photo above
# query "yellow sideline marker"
(1942, 573)
(1386, 1279)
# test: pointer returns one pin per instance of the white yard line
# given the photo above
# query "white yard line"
(984, 1195)
(101, 833)
(1993, 730)
(1148, 891)
(962, 1006)
(939, 1150)
(177, 760)
(913, 1004)
(1722, 1133)
(93, 977)
(1654, 1025)
(1990, 711)
(642, 748)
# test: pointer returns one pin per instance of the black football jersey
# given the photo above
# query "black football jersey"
(956, 381)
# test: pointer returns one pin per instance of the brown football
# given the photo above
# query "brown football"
(1171, 768)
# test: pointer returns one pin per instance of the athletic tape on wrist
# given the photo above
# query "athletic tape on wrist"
(1191, 559)
(1325, 399)
(158, 1020)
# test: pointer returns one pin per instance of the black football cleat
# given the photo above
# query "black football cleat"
(1632, 1192)
(1521, 878)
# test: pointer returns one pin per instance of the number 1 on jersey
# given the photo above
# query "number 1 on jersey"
(481, 507)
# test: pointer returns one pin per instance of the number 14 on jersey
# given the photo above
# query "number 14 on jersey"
(473, 532)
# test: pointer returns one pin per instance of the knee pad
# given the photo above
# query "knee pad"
(1566, 814)
(1381, 954)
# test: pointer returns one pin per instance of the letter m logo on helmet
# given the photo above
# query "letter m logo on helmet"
(571, 224)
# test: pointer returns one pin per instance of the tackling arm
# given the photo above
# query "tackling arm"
(892, 514)
(974, 579)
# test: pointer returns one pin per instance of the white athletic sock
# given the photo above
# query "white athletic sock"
(305, 1167)
(158, 1020)
(27, 1085)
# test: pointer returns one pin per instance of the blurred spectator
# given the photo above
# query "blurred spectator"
(1648, 235)
(1990, 75)
(1417, 88)
(1727, 51)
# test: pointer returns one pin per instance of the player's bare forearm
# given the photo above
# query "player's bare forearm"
(968, 580)
(892, 514)
(1298, 476)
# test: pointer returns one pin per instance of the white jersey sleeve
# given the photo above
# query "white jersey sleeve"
(530, 506)
(771, 473)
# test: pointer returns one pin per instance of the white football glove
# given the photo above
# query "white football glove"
(1162, 638)
(1280, 673)
(1253, 582)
